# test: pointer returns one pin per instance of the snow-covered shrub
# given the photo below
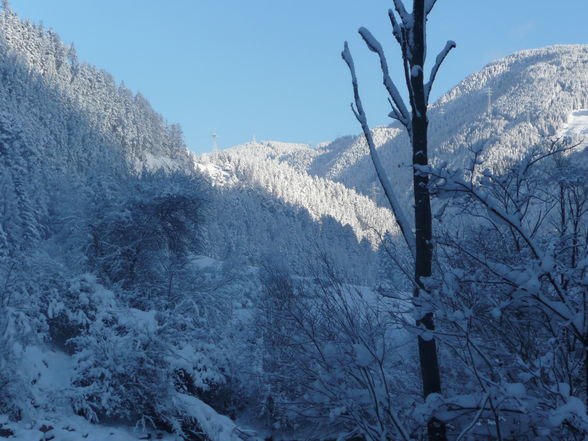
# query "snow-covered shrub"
(120, 368)
(21, 324)
(333, 358)
(15, 398)
(130, 365)
(510, 298)
(75, 307)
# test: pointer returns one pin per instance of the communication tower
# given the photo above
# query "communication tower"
(489, 95)
(214, 141)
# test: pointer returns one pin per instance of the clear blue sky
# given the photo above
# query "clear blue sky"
(271, 68)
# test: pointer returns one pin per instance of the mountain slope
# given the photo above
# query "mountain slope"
(109, 232)
(141, 285)
(533, 93)
(98, 218)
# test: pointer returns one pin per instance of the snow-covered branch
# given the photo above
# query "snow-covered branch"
(397, 28)
(543, 266)
(429, 5)
(438, 61)
(375, 46)
(400, 217)
(403, 13)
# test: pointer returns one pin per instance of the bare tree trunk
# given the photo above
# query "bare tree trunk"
(409, 29)
(586, 373)
(422, 211)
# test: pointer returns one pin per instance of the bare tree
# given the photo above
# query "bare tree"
(513, 293)
(409, 29)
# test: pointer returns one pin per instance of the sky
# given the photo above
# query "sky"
(271, 69)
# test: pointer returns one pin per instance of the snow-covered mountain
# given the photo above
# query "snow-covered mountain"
(502, 111)
(114, 238)
(141, 272)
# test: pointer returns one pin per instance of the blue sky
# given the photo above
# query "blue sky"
(271, 68)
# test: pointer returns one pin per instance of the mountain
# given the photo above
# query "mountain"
(98, 219)
(503, 111)
(144, 286)
(131, 272)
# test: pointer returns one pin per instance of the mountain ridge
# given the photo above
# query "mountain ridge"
(456, 124)
(150, 277)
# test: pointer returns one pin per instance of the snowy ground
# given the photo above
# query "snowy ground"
(76, 428)
(49, 371)
(51, 417)
(577, 127)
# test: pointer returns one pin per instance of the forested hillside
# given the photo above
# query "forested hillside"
(100, 217)
(263, 292)
(122, 259)
(532, 95)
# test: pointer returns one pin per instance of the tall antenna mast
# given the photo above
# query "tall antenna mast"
(375, 190)
(489, 95)
(214, 141)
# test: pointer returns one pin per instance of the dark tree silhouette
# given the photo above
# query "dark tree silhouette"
(409, 29)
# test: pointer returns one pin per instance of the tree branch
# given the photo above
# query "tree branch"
(403, 13)
(396, 28)
(438, 61)
(429, 4)
(359, 113)
(375, 46)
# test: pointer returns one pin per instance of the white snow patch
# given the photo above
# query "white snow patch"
(217, 427)
(75, 428)
(202, 262)
(152, 163)
(49, 372)
(142, 319)
(214, 173)
(577, 127)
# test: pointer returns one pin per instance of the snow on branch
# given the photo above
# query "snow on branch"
(429, 4)
(359, 113)
(375, 46)
(452, 183)
(474, 422)
(215, 426)
(397, 28)
(403, 13)
(438, 61)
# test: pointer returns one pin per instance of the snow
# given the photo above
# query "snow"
(202, 262)
(49, 372)
(268, 178)
(515, 389)
(145, 320)
(216, 427)
(438, 61)
(401, 111)
(576, 127)
(574, 407)
(215, 174)
(75, 428)
(152, 163)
